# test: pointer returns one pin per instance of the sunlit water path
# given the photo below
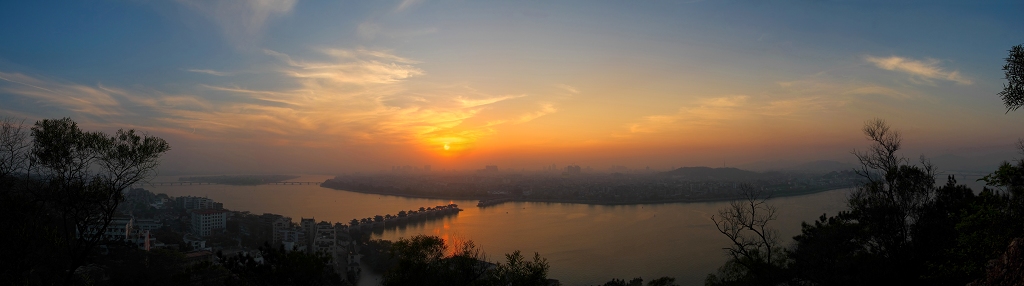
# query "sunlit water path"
(584, 244)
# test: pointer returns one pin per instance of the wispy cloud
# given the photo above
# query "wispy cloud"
(77, 98)
(241, 21)
(545, 109)
(406, 4)
(926, 70)
(210, 72)
(351, 66)
(735, 110)
(816, 86)
(474, 102)
(568, 88)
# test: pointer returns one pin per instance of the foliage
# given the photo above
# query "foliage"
(517, 271)
(1008, 177)
(1013, 89)
(663, 281)
(619, 282)
(900, 228)
(377, 256)
(429, 260)
(59, 185)
(280, 267)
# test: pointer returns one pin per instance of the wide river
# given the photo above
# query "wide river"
(584, 244)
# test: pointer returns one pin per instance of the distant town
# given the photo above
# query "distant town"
(205, 231)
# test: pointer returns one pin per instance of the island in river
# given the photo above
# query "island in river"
(690, 184)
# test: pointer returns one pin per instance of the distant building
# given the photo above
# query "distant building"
(198, 203)
(573, 169)
(205, 221)
(281, 225)
(292, 239)
(426, 168)
(308, 226)
(195, 242)
(128, 229)
(326, 238)
(490, 169)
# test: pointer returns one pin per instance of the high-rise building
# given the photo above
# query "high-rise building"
(205, 221)
(326, 238)
(280, 227)
(308, 226)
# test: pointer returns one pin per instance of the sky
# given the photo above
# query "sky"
(359, 86)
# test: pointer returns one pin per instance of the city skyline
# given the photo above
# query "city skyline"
(304, 87)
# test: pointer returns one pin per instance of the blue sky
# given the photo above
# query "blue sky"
(254, 86)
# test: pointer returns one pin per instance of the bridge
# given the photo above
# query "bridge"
(210, 183)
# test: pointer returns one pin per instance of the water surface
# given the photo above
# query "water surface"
(584, 244)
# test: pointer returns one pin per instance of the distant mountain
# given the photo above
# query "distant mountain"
(823, 166)
(813, 167)
(706, 173)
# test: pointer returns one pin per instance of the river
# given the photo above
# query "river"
(584, 244)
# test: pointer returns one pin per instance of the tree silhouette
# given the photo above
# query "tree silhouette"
(71, 182)
(754, 245)
(1013, 89)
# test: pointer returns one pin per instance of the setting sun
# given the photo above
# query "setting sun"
(446, 147)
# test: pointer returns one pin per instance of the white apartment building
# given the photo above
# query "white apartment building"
(326, 238)
(281, 225)
(205, 221)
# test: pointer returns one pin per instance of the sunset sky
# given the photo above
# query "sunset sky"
(341, 86)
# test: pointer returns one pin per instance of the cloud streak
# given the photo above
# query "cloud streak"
(241, 21)
(926, 70)
(209, 72)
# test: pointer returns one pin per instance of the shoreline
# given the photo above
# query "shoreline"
(556, 201)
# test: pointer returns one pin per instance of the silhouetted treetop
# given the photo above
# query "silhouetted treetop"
(1013, 89)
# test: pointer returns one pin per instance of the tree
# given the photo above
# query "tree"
(73, 182)
(894, 192)
(429, 260)
(14, 146)
(620, 282)
(518, 271)
(1013, 89)
(755, 247)
(280, 267)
